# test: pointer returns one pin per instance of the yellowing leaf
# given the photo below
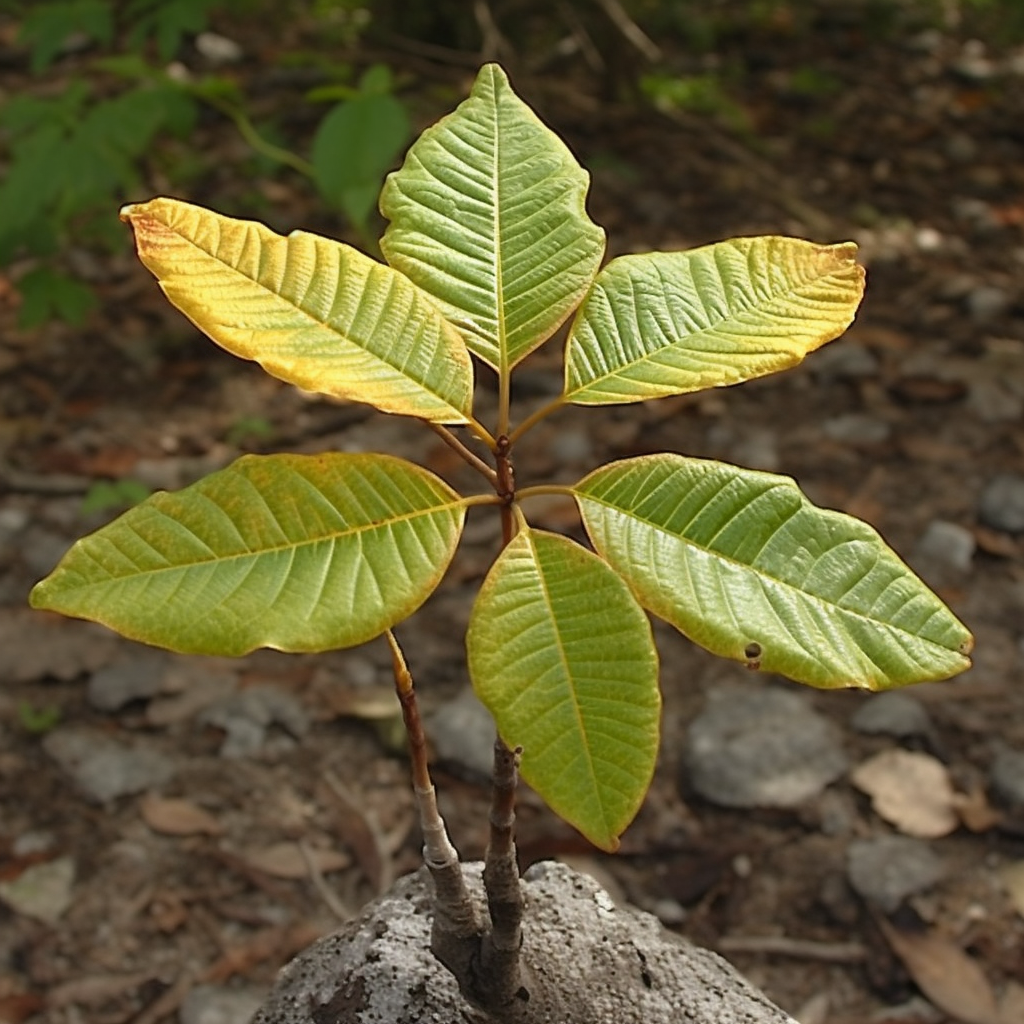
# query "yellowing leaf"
(665, 323)
(309, 310)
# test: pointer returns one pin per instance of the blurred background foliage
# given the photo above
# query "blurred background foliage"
(114, 97)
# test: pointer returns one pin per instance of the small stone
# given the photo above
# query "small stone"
(102, 768)
(758, 449)
(845, 360)
(887, 869)
(246, 717)
(42, 891)
(117, 685)
(212, 1004)
(857, 428)
(892, 714)
(944, 551)
(218, 49)
(462, 732)
(987, 303)
(1002, 503)
(1008, 774)
(762, 748)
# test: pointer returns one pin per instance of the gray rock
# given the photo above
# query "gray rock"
(246, 717)
(892, 714)
(102, 768)
(584, 959)
(987, 303)
(762, 748)
(138, 678)
(845, 360)
(462, 732)
(1008, 774)
(857, 428)
(887, 869)
(1002, 503)
(212, 1004)
(946, 545)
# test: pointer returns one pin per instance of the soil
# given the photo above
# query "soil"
(913, 145)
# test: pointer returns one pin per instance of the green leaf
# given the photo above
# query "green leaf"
(47, 27)
(487, 214)
(666, 323)
(562, 655)
(309, 310)
(47, 293)
(295, 552)
(734, 558)
(354, 146)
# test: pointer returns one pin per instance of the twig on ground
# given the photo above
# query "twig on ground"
(801, 949)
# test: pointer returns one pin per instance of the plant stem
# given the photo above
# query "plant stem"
(455, 935)
(535, 417)
(455, 444)
(538, 489)
(248, 132)
(499, 973)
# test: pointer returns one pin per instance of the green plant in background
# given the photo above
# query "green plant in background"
(74, 155)
(114, 495)
(489, 251)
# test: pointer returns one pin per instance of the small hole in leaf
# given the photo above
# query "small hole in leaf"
(752, 651)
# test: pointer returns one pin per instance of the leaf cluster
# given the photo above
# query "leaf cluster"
(489, 251)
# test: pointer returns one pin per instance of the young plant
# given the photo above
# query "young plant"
(489, 250)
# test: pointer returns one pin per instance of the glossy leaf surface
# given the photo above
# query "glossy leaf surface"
(735, 558)
(487, 215)
(309, 310)
(666, 323)
(562, 655)
(295, 552)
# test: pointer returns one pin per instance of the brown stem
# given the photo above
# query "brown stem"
(456, 930)
(499, 975)
(456, 445)
(505, 486)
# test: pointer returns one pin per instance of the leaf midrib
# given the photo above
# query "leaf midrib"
(313, 320)
(847, 612)
(333, 538)
(619, 373)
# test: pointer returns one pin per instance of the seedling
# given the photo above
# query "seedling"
(489, 250)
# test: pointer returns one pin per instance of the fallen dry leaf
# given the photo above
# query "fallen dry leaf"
(951, 979)
(1011, 1006)
(286, 860)
(1012, 877)
(911, 791)
(175, 817)
(974, 810)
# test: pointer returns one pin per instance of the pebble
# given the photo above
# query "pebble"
(103, 768)
(943, 553)
(117, 685)
(856, 428)
(218, 49)
(1008, 774)
(761, 748)
(247, 716)
(212, 1004)
(1002, 503)
(887, 869)
(462, 733)
(987, 303)
(42, 891)
(892, 714)
(845, 360)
